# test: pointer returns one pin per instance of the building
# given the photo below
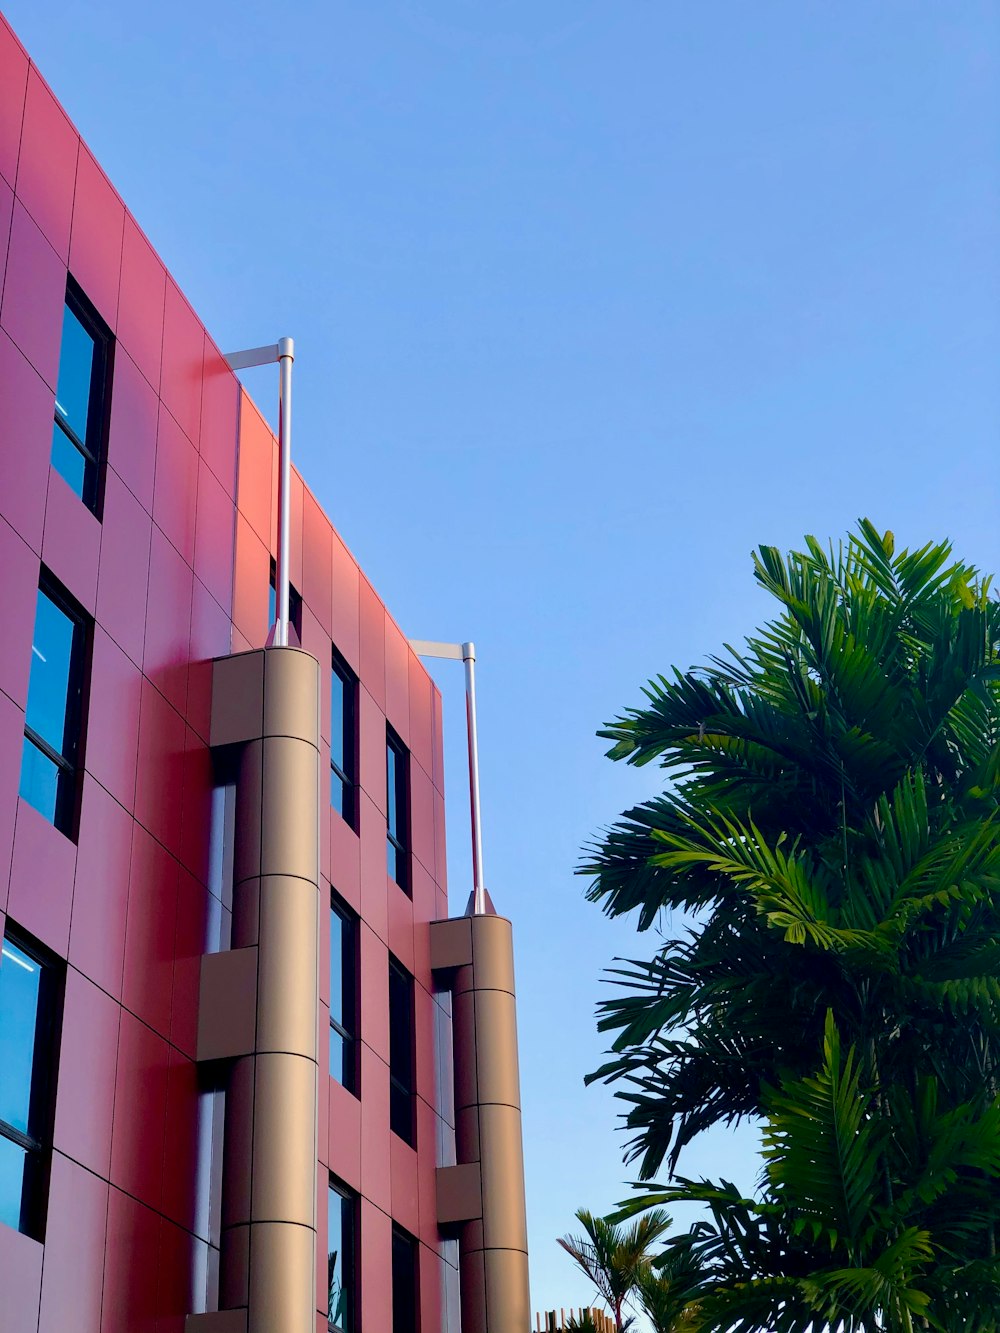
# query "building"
(251, 1076)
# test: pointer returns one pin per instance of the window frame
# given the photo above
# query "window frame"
(346, 776)
(294, 605)
(94, 447)
(351, 922)
(37, 1145)
(399, 839)
(398, 1085)
(349, 1257)
(66, 815)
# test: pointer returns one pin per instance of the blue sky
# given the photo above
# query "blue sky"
(590, 297)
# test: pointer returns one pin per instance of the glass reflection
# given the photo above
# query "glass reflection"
(340, 1261)
(20, 980)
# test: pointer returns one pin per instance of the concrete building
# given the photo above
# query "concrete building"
(251, 1075)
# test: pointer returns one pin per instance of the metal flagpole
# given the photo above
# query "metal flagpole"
(283, 351)
(466, 653)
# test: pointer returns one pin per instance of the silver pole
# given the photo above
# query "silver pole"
(286, 356)
(478, 883)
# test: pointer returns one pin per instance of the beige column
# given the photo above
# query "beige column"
(265, 711)
(483, 1195)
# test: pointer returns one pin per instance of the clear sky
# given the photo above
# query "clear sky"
(589, 298)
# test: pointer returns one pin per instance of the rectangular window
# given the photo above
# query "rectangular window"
(344, 995)
(402, 1119)
(341, 1261)
(81, 396)
(54, 719)
(29, 1008)
(343, 739)
(294, 607)
(397, 776)
(405, 1318)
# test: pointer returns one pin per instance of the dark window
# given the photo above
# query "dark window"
(401, 1052)
(341, 1261)
(343, 739)
(29, 1004)
(343, 995)
(294, 607)
(397, 845)
(404, 1282)
(81, 396)
(54, 717)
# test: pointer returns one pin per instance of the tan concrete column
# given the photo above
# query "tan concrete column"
(485, 1202)
(265, 710)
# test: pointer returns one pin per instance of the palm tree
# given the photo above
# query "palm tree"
(614, 1256)
(831, 842)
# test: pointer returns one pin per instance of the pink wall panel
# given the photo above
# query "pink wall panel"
(159, 789)
(131, 1267)
(24, 461)
(220, 419)
(140, 302)
(400, 925)
(182, 369)
(88, 1062)
(140, 1110)
(41, 879)
(149, 932)
(344, 1135)
(33, 291)
(421, 692)
(123, 571)
(13, 83)
(176, 486)
(95, 251)
(72, 1280)
(344, 869)
(112, 738)
(6, 214)
(168, 621)
(251, 584)
(46, 167)
(374, 878)
(422, 817)
(254, 469)
(11, 738)
(317, 563)
(71, 542)
(371, 767)
(376, 1262)
(374, 993)
(213, 549)
(100, 893)
(376, 1183)
(346, 612)
(397, 680)
(373, 620)
(190, 942)
(403, 1179)
(132, 437)
(20, 1279)
(20, 571)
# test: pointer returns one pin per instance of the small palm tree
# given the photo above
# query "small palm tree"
(666, 1290)
(614, 1257)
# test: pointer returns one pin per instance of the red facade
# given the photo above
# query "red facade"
(174, 573)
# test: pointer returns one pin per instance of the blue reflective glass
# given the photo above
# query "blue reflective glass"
(68, 461)
(391, 780)
(340, 1262)
(338, 929)
(337, 692)
(13, 1159)
(40, 778)
(76, 374)
(392, 860)
(51, 662)
(20, 982)
(272, 606)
